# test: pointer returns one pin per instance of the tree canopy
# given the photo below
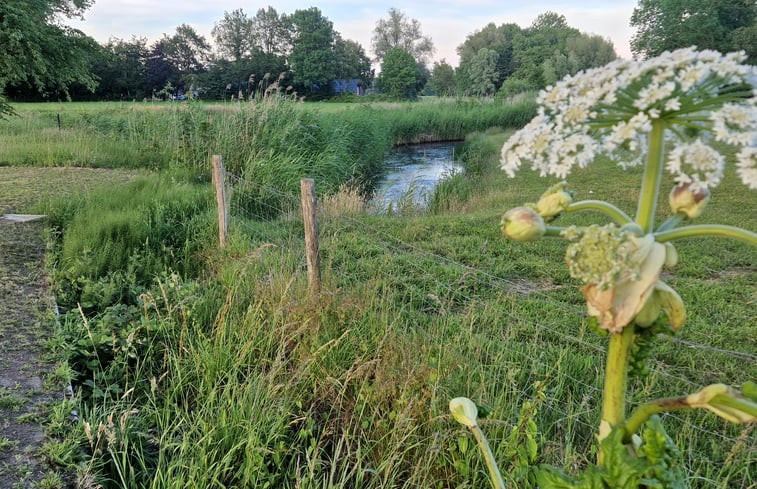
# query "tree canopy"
(233, 35)
(399, 74)
(442, 79)
(397, 31)
(312, 59)
(519, 59)
(722, 25)
(40, 53)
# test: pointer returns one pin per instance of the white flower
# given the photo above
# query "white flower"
(734, 124)
(610, 111)
(621, 271)
(747, 166)
(706, 162)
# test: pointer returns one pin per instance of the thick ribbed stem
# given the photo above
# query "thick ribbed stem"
(650, 185)
(616, 380)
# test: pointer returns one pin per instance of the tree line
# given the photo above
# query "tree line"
(301, 53)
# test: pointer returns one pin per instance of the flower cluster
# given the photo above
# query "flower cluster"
(698, 96)
(621, 272)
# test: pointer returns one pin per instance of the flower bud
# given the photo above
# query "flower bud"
(554, 201)
(685, 200)
(464, 411)
(522, 224)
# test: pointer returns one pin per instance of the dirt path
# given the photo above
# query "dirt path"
(26, 322)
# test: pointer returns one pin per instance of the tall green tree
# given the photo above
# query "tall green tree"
(187, 50)
(122, 68)
(527, 59)
(665, 25)
(547, 35)
(271, 32)
(399, 74)
(233, 35)
(351, 60)
(499, 38)
(312, 60)
(482, 73)
(38, 52)
(398, 31)
(442, 80)
(160, 70)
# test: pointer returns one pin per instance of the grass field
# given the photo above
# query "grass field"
(226, 374)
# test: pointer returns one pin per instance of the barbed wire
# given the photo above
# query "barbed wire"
(400, 247)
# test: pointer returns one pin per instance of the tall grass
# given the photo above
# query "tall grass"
(273, 142)
(235, 378)
(115, 240)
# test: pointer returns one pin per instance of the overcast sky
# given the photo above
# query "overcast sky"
(447, 22)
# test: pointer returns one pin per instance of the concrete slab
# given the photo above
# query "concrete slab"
(23, 217)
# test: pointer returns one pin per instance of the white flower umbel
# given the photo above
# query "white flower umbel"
(747, 166)
(610, 110)
(696, 163)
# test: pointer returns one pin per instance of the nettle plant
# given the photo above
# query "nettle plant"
(697, 102)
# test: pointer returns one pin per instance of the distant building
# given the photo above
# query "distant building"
(353, 86)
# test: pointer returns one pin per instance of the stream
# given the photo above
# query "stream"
(413, 171)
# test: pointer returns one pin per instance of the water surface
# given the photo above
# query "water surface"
(413, 171)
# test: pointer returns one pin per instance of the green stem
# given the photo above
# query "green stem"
(708, 230)
(650, 185)
(616, 214)
(642, 413)
(491, 464)
(616, 380)
(671, 223)
(554, 231)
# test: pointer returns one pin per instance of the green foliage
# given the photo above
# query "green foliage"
(399, 32)
(312, 58)
(527, 59)
(351, 61)
(654, 464)
(5, 108)
(442, 80)
(40, 53)
(186, 50)
(665, 25)
(121, 69)
(514, 86)
(524, 440)
(116, 240)
(482, 73)
(233, 35)
(399, 74)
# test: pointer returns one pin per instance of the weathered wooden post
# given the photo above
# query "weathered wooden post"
(219, 182)
(307, 196)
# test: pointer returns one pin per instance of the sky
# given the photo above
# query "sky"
(447, 22)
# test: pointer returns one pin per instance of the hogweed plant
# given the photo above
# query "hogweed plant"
(695, 102)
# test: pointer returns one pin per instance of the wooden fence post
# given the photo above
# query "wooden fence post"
(219, 182)
(307, 196)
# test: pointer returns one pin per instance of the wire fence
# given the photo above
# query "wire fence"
(281, 207)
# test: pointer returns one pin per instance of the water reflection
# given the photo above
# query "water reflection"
(412, 172)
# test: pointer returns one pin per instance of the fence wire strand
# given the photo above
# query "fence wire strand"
(419, 258)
